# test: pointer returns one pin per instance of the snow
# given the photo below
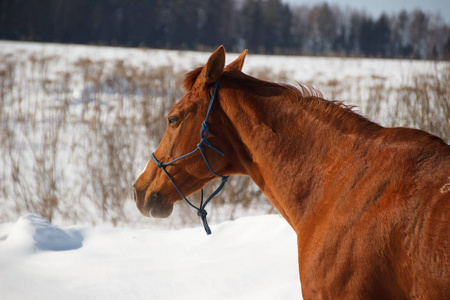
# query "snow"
(249, 258)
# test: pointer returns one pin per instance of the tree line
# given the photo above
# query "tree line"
(262, 26)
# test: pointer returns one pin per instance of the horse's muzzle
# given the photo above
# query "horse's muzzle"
(152, 206)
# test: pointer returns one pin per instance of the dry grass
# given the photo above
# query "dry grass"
(75, 156)
(423, 102)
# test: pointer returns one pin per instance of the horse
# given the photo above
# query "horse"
(370, 205)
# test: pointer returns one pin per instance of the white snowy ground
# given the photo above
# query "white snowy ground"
(250, 258)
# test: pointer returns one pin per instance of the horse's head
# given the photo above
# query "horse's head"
(154, 193)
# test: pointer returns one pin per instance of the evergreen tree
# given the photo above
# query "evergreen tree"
(263, 26)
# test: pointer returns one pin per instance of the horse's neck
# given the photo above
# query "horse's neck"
(291, 150)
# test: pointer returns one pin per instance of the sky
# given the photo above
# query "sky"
(389, 6)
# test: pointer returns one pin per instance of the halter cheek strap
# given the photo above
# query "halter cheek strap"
(204, 132)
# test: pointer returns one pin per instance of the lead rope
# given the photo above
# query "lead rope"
(204, 132)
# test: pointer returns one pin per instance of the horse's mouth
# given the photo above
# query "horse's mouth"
(156, 207)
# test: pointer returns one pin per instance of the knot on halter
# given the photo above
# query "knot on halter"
(205, 130)
(160, 164)
(202, 213)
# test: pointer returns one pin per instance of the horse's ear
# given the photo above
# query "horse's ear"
(238, 62)
(212, 70)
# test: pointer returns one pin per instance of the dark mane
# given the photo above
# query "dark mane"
(311, 99)
(307, 91)
(337, 113)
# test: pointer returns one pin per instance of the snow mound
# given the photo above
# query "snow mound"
(248, 258)
(32, 233)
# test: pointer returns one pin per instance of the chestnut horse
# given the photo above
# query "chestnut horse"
(370, 205)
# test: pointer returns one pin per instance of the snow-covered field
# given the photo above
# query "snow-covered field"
(303, 69)
(250, 258)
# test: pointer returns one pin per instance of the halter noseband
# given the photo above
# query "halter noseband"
(204, 132)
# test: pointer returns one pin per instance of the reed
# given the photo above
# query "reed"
(72, 142)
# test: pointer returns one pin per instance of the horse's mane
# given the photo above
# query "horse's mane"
(303, 90)
(336, 112)
(309, 98)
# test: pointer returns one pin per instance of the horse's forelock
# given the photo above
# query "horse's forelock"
(190, 78)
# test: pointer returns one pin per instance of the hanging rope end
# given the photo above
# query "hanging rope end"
(202, 213)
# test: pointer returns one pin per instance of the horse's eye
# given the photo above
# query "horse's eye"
(173, 120)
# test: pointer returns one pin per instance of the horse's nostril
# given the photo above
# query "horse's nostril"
(134, 195)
